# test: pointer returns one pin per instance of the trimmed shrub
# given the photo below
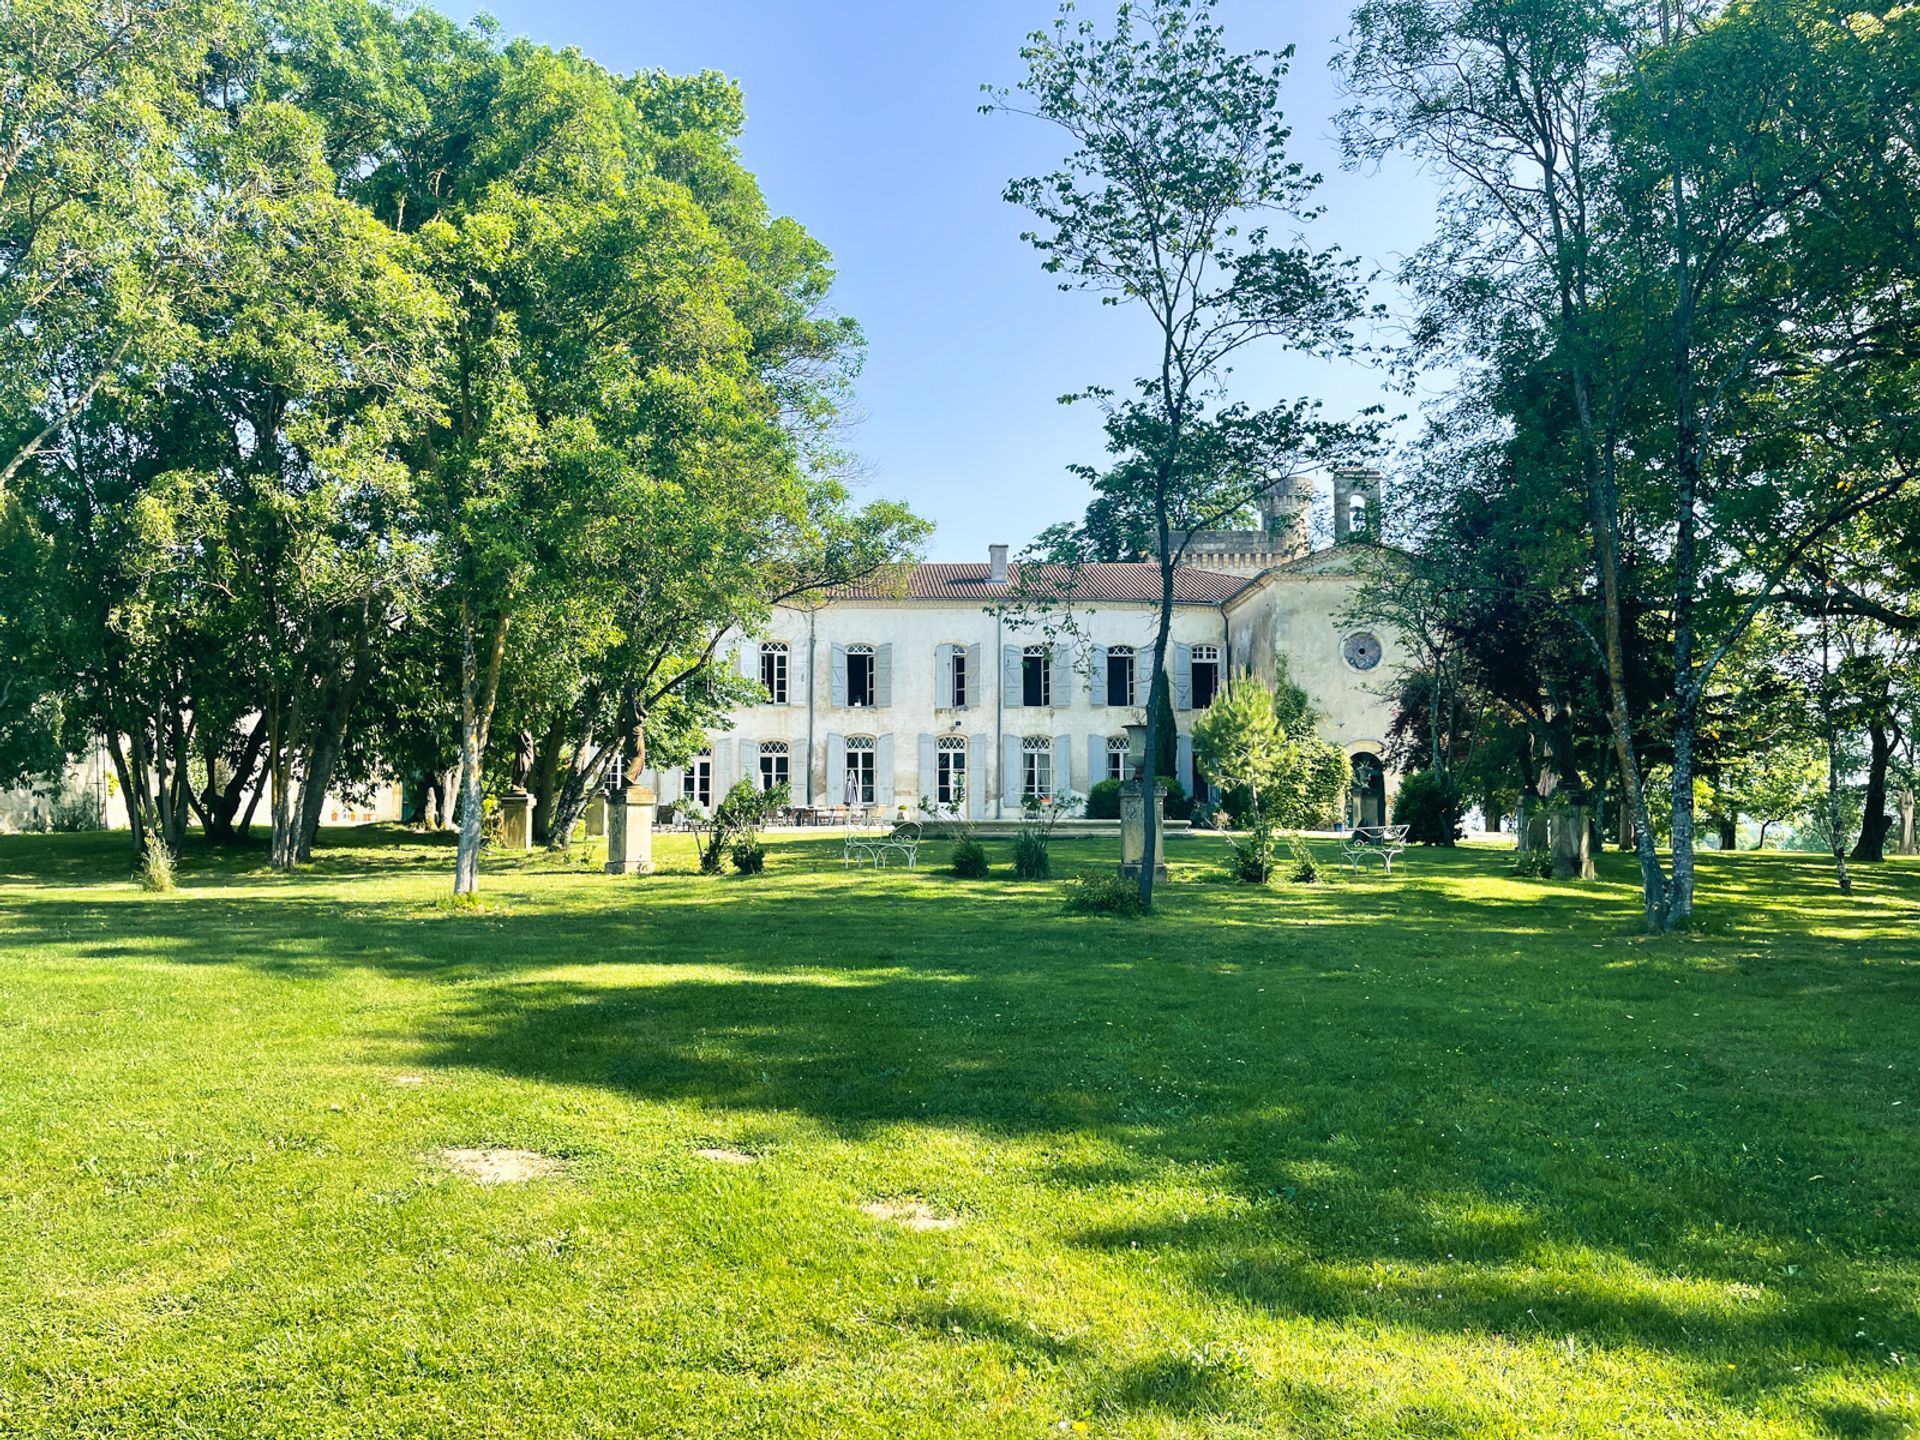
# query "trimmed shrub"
(970, 860)
(1306, 869)
(1030, 858)
(1253, 861)
(1178, 806)
(749, 857)
(1103, 801)
(1423, 805)
(1103, 892)
(1533, 864)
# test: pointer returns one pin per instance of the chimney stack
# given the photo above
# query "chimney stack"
(997, 564)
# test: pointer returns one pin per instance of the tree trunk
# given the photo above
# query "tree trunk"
(221, 803)
(544, 782)
(1679, 907)
(1729, 832)
(1871, 847)
(479, 685)
(1761, 843)
(1836, 836)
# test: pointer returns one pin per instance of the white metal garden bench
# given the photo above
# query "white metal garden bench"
(903, 840)
(1374, 842)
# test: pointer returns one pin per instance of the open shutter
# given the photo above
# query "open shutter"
(1062, 764)
(1096, 760)
(1010, 771)
(797, 658)
(672, 783)
(1183, 762)
(1097, 682)
(1010, 693)
(748, 657)
(835, 791)
(883, 674)
(943, 677)
(1182, 677)
(975, 679)
(839, 682)
(929, 777)
(1143, 675)
(750, 761)
(722, 763)
(883, 771)
(1063, 675)
(977, 777)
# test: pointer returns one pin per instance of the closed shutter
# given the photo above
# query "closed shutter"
(1062, 764)
(750, 761)
(839, 683)
(1063, 675)
(1183, 677)
(943, 677)
(1096, 760)
(1183, 762)
(1010, 771)
(883, 674)
(929, 776)
(977, 777)
(672, 783)
(975, 680)
(1010, 693)
(883, 771)
(835, 790)
(1097, 682)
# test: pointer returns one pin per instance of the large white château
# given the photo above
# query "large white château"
(919, 686)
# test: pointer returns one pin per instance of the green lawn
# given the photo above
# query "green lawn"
(1448, 1155)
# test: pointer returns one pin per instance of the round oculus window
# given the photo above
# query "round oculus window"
(1362, 650)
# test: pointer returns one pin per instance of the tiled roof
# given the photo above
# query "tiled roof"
(1138, 582)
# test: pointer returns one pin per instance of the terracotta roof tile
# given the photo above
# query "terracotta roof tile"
(1137, 582)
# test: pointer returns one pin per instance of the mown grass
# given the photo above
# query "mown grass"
(1454, 1154)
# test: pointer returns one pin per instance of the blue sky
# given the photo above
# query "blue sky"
(863, 124)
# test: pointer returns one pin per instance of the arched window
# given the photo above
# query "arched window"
(860, 675)
(1120, 675)
(1036, 767)
(950, 777)
(859, 781)
(775, 759)
(1357, 514)
(1206, 675)
(773, 671)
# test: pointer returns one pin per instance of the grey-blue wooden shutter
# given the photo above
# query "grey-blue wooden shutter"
(977, 776)
(1183, 762)
(672, 783)
(839, 681)
(719, 754)
(749, 659)
(975, 680)
(1063, 675)
(1097, 682)
(883, 674)
(883, 770)
(1183, 677)
(1143, 675)
(929, 775)
(1062, 764)
(1010, 770)
(1096, 760)
(836, 788)
(943, 677)
(750, 761)
(1010, 690)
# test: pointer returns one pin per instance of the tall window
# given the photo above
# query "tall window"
(958, 660)
(860, 675)
(950, 781)
(774, 758)
(696, 780)
(1206, 675)
(1036, 677)
(1036, 767)
(773, 672)
(1116, 757)
(859, 783)
(1120, 675)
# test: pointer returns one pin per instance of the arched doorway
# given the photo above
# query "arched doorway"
(1367, 800)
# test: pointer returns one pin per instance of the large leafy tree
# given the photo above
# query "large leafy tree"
(1177, 199)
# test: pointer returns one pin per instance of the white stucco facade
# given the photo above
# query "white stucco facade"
(901, 648)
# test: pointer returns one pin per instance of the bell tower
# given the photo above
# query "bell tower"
(1356, 504)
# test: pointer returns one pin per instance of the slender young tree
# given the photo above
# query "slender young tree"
(1167, 203)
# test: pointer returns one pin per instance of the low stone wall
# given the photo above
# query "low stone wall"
(1003, 829)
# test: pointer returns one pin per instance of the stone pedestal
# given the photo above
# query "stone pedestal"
(1571, 843)
(516, 820)
(596, 817)
(630, 832)
(1133, 829)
